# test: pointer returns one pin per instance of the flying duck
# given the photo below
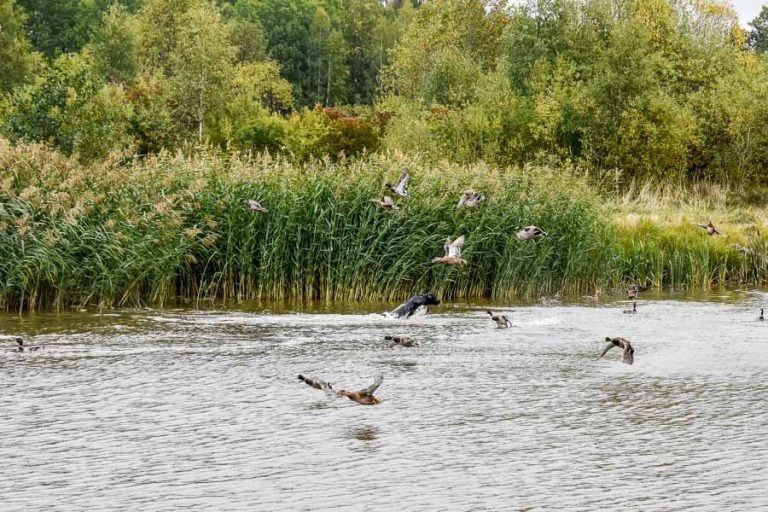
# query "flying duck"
(530, 232)
(502, 322)
(452, 254)
(386, 203)
(746, 251)
(710, 229)
(400, 188)
(420, 301)
(631, 311)
(363, 396)
(402, 341)
(255, 206)
(470, 199)
(625, 345)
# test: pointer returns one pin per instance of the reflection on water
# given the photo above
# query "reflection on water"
(202, 410)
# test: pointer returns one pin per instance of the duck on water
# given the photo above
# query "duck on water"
(420, 301)
(363, 396)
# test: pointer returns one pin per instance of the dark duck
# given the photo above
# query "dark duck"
(625, 345)
(409, 307)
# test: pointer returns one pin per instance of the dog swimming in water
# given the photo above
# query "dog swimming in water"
(420, 301)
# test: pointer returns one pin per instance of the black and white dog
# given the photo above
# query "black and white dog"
(420, 301)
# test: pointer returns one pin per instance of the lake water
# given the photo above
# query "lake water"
(202, 410)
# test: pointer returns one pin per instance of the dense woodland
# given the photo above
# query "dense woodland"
(651, 88)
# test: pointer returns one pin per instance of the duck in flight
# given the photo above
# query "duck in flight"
(255, 206)
(625, 345)
(502, 322)
(530, 232)
(386, 203)
(452, 254)
(21, 347)
(470, 198)
(401, 341)
(400, 188)
(362, 397)
(631, 311)
(710, 228)
(418, 302)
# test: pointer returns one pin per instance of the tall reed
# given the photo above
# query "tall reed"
(134, 231)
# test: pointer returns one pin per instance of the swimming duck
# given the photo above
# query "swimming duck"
(625, 345)
(255, 206)
(21, 347)
(470, 199)
(363, 396)
(402, 183)
(631, 311)
(761, 318)
(418, 302)
(387, 203)
(452, 254)
(710, 229)
(502, 322)
(402, 341)
(549, 301)
(530, 232)
(633, 291)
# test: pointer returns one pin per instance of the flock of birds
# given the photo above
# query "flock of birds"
(451, 248)
(419, 304)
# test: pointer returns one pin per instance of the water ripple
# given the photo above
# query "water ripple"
(192, 410)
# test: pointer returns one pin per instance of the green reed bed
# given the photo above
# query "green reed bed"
(127, 232)
(168, 227)
(683, 256)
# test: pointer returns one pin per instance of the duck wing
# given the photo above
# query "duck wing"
(629, 355)
(255, 205)
(607, 348)
(388, 201)
(454, 248)
(402, 183)
(370, 390)
(447, 246)
(316, 383)
(462, 200)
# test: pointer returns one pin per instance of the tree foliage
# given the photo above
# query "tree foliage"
(643, 88)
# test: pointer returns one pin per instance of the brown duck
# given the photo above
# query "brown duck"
(452, 254)
(710, 228)
(386, 203)
(362, 397)
(502, 322)
(470, 199)
(401, 341)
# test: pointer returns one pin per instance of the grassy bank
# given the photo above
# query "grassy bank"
(126, 232)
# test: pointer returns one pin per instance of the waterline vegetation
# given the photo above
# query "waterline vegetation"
(152, 230)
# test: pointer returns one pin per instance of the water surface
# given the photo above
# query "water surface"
(201, 410)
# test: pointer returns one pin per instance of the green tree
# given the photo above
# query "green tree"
(113, 45)
(158, 25)
(98, 125)
(201, 66)
(758, 35)
(36, 112)
(17, 60)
